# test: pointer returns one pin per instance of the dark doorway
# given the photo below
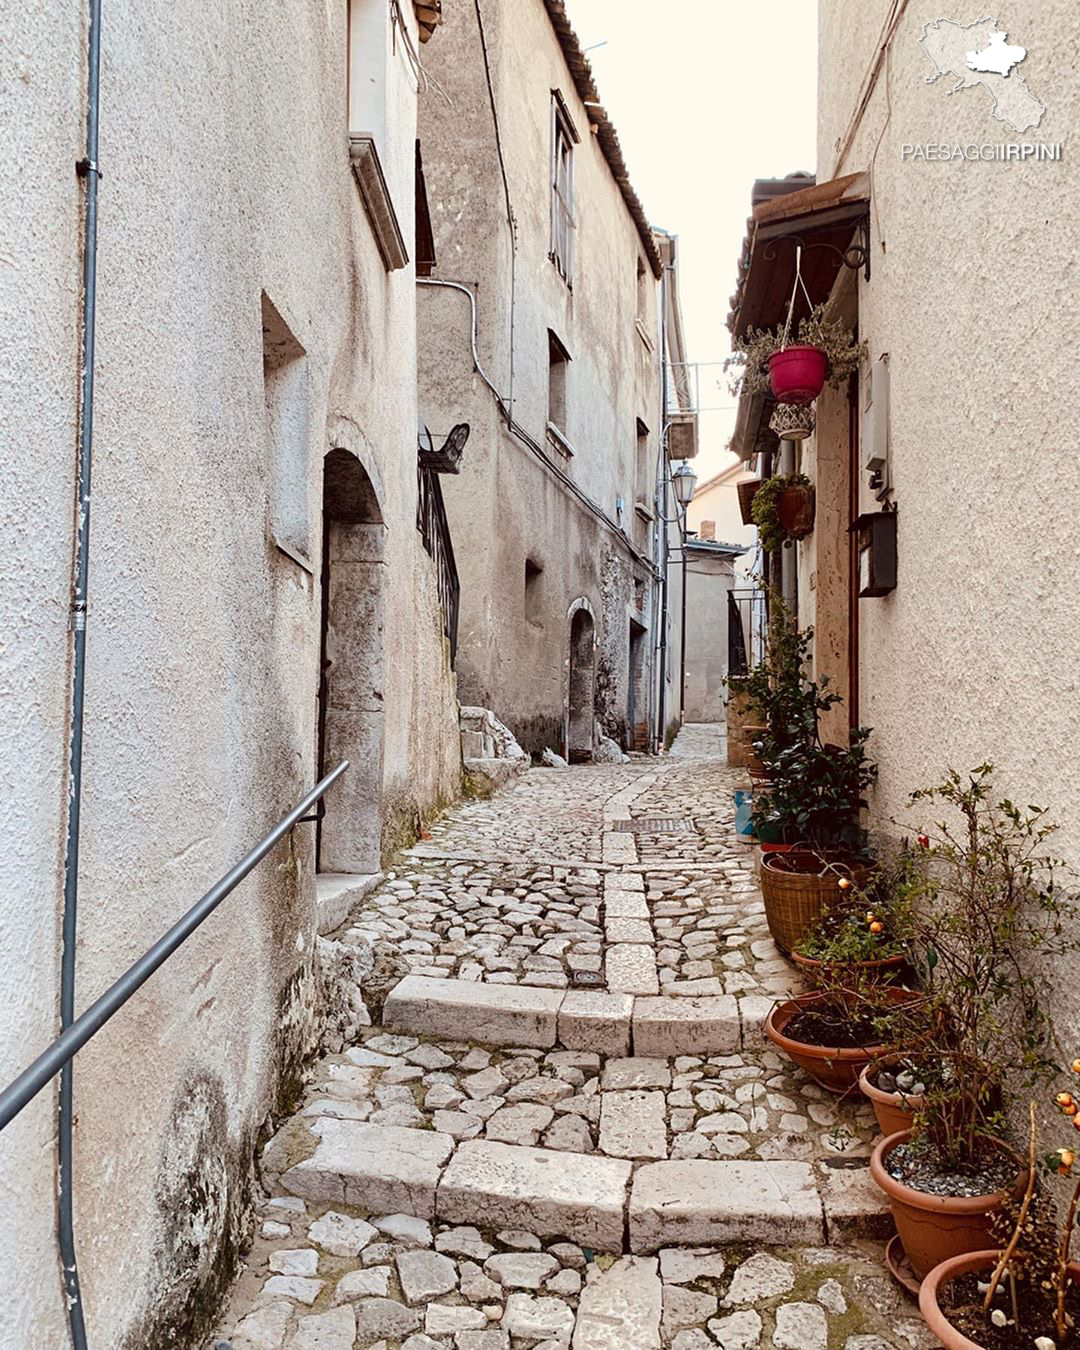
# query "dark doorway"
(637, 709)
(582, 697)
(350, 693)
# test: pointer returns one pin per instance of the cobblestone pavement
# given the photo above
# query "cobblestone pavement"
(520, 890)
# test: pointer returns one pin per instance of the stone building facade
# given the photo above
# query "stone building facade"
(254, 558)
(541, 326)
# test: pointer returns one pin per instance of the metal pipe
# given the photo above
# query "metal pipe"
(523, 436)
(661, 512)
(88, 169)
(53, 1060)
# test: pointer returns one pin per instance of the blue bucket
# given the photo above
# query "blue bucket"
(744, 805)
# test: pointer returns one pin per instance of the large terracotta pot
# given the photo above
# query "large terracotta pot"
(933, 1286)
(934, 1228)
(836, 1068)
(892, 1113)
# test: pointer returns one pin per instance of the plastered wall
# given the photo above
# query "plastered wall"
(224, 154)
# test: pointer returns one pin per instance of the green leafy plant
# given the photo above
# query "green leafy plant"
(765, 514)
(815, 790)
(866, 923)
(749, 359)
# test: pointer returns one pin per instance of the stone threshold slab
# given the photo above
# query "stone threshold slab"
(590, 1199)
(337, 894)
(576, 1019)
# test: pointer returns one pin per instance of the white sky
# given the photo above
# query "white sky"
(706, 97)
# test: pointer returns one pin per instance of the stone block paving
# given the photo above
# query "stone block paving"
(746, 1105)
(322, 1277)
(472, 1174)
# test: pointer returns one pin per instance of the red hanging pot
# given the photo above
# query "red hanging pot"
(797, 374)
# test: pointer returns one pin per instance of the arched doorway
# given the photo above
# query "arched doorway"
(350, 694)
(582, 693)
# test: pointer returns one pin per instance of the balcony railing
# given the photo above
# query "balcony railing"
(435, 531)
(747, 626)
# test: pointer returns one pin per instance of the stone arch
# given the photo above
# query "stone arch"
(351, 655)
(581, 685)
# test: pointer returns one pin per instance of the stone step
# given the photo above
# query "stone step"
(337, 894)
(576, 1019)
(608, 1204)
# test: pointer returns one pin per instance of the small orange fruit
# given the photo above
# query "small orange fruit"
(1076, 1122)
(1066, 1158)
(844, 884)
(1076, 1066)
(870, 916)
(877, 927)
(1063, 1098)
(1071, 1109)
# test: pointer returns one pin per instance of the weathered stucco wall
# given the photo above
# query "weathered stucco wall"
(974, 655)
(506, 506)
(223, 148)
(709, 578)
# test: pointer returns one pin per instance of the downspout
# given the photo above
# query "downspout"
(88, 169)
(661, 516)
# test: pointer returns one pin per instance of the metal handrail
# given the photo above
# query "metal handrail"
(49, 1063)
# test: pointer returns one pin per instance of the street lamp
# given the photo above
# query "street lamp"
(683, 483)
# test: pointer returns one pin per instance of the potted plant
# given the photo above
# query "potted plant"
(1025, 1294)
(795, 368)
(833, 1032)
(894, 1087)
(988, 913)
(792, 422)
(747, 491)
(862, 933)
(783, 510)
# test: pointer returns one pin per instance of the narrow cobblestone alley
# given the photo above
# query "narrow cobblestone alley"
(563, 1127)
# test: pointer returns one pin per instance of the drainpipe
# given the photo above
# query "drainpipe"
(88, 169)
(661, 518)
(786, 560)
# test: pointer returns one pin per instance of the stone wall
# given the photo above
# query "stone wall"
(534, 548)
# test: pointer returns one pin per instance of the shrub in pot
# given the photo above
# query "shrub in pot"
(1026, 1293)
(987, 915)
(783, 510)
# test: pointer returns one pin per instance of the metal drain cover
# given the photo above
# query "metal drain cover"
(587, 979)
(655, 825)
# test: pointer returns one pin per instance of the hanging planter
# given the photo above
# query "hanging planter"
(792, 363)
(747, 492)
(797, 374)
(783, 510)
(792, 421)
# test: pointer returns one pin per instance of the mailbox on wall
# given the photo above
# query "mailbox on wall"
(875, 537)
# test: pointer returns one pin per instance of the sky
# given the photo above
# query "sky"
(705, 98)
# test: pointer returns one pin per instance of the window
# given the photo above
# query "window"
(643, 484)
(533, 593)
(558, 360)
(563, 140)
(285, 392)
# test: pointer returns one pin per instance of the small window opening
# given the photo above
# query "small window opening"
(533, 591)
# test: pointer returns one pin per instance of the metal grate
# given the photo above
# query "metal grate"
(655, 825)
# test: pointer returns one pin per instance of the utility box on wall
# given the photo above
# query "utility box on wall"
(875, 537)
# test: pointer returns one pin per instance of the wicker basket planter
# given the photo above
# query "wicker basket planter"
(746, 493)
(792, 421)
(796, 886)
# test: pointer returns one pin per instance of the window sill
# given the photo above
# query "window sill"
(559, 441)
(374, 193)
(643, 512)
(297, 557)
(643, 334)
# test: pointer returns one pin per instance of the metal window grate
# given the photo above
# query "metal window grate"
(655, 825)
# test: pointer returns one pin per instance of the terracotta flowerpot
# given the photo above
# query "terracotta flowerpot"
(797, 374)
(836, 1068)
(895, 1111)
(934, 1228)
(746, 493)
(795, 511)
(882, 970)
(933, 1287)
